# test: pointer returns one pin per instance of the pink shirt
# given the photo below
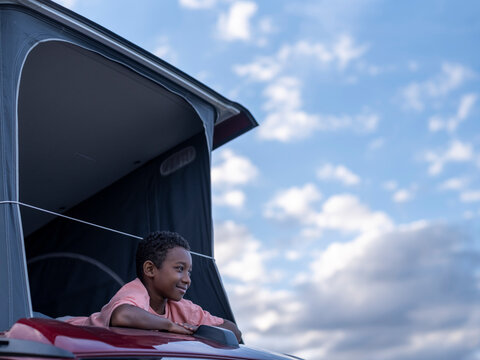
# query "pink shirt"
(135, 293)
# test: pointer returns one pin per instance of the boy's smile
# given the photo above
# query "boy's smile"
(171, 280)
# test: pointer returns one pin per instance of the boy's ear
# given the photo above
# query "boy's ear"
(149, 268)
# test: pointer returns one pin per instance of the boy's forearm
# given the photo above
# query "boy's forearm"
(131, 316)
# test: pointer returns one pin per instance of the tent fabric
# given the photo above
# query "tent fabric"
(15, 301)
(139, 203)
(142, 201)
(170, 202)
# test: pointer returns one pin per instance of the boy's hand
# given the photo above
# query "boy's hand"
(182, 328)
(187, 326)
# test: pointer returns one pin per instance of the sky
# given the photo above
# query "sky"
(347, 225)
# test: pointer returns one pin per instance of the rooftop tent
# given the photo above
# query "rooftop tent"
(100, 143)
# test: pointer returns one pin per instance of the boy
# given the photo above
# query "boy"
(154, 300)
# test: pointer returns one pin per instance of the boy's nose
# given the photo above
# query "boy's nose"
(186, 279)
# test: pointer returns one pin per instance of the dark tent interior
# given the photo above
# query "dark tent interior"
(101, 143)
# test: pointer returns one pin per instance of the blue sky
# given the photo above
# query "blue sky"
(347, 223)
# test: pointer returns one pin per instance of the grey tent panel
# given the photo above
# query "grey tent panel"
(15, 301)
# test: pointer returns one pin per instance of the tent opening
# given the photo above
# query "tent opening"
(102, 143)
(85, 121)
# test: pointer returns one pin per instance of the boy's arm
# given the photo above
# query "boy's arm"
(227, 324)
(127, 315)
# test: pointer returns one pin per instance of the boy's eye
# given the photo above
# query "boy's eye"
(179, 268)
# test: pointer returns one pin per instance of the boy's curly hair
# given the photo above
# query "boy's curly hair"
(154, 247)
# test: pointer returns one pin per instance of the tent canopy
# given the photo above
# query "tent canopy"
(101, 143)
(86, 121)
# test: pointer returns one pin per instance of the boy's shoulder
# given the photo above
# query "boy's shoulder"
(134, 288)
(135, 284)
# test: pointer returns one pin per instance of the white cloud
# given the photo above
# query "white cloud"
(267, 320)
(346, 51)
(456, 152)
(394, 281)
(457, 183)
(317, 51)
(244, 266)
(229, 172)
(365, 122)
(293, 255)
(285, 93)
(470, 196)
(342, 212)
(288, 126)
(466, 104)
(197, 4)
(286, 120)
(396, 295)
(339, 53)
(263, 69)
(235, 24)
(233, 170)
(238, 254)
(376, 144)
(294, 203)
(390, 185)
(339, 172)
(437, 123)
(265, 28)
(332, 17)
(231, 198)
(412, 97)
(451, 78)
(266, 25)
(346, 213)
(261, 309)
(367, 282)
(402, 195)
(164, 50)
(70, 4)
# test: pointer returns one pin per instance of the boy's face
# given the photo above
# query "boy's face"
(172, 279)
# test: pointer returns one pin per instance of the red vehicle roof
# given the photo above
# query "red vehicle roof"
(89, 341)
